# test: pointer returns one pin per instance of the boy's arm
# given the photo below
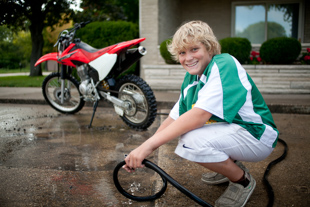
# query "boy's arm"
(193, 119)
(165, 123)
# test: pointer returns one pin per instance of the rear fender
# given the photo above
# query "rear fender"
(49, 56)
(125, 45)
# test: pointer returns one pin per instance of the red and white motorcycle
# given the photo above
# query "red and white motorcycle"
(99, 69)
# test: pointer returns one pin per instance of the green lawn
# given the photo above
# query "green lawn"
(22, 70)
(21, 81)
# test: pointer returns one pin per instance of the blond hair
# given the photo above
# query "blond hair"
(191, 33)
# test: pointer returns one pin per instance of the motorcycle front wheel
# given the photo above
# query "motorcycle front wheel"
(72, 98)
(142, 103)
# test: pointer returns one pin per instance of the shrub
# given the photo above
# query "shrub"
(103, 34)
(165, 53)
(238, 47)
(9, 55)
(280, 50)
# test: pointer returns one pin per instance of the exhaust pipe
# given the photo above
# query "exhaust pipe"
(142, 50)
(132, 56)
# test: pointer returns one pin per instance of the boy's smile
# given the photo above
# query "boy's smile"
(195, 58)
(192, 64)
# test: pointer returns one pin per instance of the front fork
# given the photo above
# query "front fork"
(63, 75)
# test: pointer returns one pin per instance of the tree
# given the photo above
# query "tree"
(34, 15)
(5, 34)
(256, 32)
(7, 60)
(108, 10)
(15, 48)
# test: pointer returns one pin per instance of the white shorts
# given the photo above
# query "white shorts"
(220, 141)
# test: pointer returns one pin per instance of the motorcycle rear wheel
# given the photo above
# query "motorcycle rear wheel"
(73, 100)
(143, 107)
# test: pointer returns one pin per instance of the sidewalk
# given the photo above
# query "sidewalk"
(21, 73)
(278, 103)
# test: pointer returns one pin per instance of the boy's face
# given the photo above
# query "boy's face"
(195, 58)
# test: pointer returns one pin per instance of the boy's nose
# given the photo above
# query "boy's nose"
(188, 56)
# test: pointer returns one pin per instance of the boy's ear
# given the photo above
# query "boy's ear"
(211, 53)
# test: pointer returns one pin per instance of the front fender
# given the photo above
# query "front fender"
(49, 56)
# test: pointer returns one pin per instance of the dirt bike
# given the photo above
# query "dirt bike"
(99, 71)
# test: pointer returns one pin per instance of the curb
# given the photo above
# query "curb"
(274, 108)
(289, 108)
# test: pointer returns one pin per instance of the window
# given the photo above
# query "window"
(260, 22)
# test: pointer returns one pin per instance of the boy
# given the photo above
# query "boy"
(220, 116)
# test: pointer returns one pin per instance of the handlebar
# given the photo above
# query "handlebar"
(65, 34)
(79, 25)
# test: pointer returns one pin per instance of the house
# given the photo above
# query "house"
(257, 20)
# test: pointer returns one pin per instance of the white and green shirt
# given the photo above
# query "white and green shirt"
(227, 92)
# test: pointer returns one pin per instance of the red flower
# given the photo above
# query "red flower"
(259, 59)
(251, 58)
(253, 53)
(308, 50)
(307, 57)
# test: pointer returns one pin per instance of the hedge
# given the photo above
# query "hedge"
(280, 50)
(165, 53)
(103, 34)
(238, 47)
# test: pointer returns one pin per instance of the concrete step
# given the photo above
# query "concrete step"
(268, 78)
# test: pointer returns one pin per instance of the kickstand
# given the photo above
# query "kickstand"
(94, 111)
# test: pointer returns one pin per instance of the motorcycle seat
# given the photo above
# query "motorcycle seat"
(86, 47)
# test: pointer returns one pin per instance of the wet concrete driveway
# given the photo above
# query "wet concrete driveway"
(52, 159)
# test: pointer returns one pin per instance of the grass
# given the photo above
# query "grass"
(28, 81)
(22, 70)
(21, 81)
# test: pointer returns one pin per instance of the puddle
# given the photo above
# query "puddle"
(76, 161)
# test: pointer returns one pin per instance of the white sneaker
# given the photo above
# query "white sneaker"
(236, 195)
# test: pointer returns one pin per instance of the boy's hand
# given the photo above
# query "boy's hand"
(135, 158)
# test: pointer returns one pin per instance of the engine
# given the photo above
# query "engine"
(82, 71)
(86, 87)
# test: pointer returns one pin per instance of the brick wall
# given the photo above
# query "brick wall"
(149, 30)
(159, 19)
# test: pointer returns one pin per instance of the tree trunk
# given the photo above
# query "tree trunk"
(37, 46)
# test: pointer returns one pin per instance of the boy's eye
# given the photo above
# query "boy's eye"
(181, 53)
(195, 49)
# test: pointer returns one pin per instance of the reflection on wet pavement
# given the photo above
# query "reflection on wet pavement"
(52, 159)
